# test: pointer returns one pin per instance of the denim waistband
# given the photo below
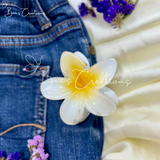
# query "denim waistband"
(41, 7)
(47, 5)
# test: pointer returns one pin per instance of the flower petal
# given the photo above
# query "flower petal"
(98, 104)
(71, 65)
(110, 94)
(72, 108)
(102, 73)
(55, 88)
(84, 58)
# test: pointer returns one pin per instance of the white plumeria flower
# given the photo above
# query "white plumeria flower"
(82, 87)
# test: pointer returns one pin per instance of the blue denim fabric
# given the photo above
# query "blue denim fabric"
(37, 41)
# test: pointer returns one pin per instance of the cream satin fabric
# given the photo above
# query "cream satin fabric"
(133, 131)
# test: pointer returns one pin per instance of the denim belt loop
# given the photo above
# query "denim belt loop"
(43, 20)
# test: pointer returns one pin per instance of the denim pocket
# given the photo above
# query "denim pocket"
(22, 100)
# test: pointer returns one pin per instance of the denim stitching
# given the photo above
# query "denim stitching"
(37, 74)
(55, 6)
(86, 41)
(38, 104)
(10, 66)
(40, 11)
(71, 11)
(38, 95)
(81, 28)
(23, 125)
(10, 72)
(45, 25)
(31, 16)
(40, 35)
(40, 42)
(43, 108)
(38, 16)
(14, 5)
(42, 15)
(43, 114)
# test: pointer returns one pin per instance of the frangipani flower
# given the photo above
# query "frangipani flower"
(82, 87)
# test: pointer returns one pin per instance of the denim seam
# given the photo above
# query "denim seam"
(43, 111)
(71, 10)
(48, 11)
(40, 42)
(44, 102)
(47, 22)
(38, 104)
(43, 114)
(15, 69)
(55, 6)
(38, 74)
(24, 4)
(45, 25)
(80, 26)
(41, 108)
(13, 4)
(40, 35)
(38, 16)
(10, 66)
(10, 72)
(86, 41)
(100, 124)
(87, 44)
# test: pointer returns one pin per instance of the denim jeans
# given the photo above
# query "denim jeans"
(33, 35)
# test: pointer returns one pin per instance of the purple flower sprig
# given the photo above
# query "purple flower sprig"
(84, 10)
(36, 148)
(2, 155)
(14, 156)
(114, 11)
(11, 156)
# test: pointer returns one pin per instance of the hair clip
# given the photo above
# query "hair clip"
(82, 87)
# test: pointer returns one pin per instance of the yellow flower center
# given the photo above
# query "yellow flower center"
(82, 79)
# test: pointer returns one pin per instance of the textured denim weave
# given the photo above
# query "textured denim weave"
(40, 39)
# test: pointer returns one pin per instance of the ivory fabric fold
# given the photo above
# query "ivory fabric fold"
(133, 131)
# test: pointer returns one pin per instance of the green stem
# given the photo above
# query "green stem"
(136, 2)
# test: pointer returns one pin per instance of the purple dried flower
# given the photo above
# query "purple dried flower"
(44, 156)
(127, 9)
(83, 10)
(14, 156)
(39, 153)
(107, 18)
(3, 154)
(93, 13)
(40, 145)
(110, 14)
(118, 7)
(31, 143)
(38, 138)
(94, 3)
(114, 11)
(124, 8)
(103, 6)
(123, 2)
(36, 148)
